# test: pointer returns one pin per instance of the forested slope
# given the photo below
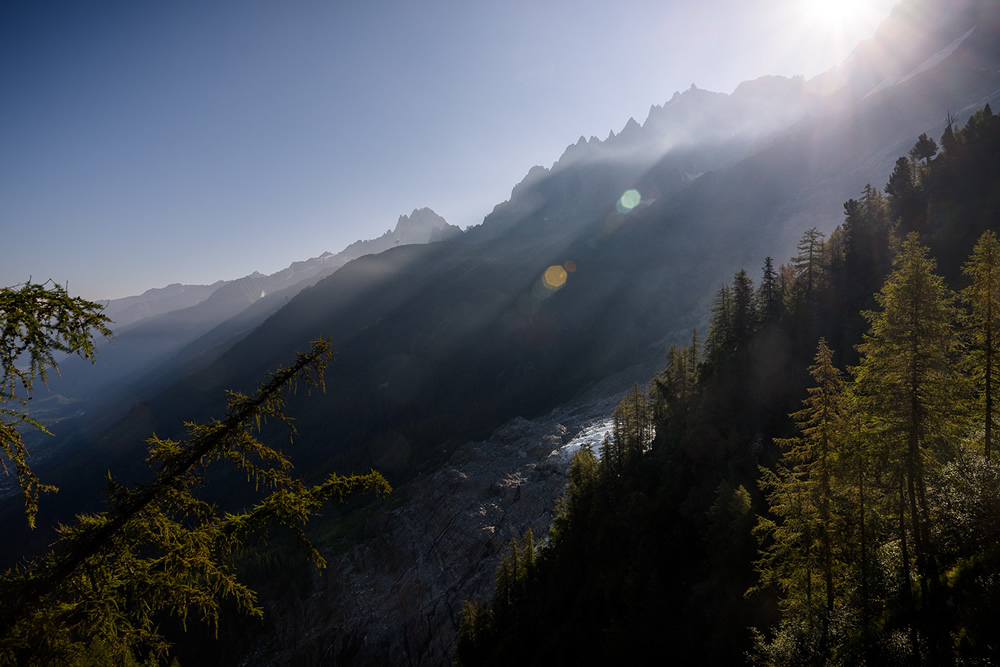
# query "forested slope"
(822, 484)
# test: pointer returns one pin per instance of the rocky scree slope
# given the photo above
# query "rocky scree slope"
(395, 598)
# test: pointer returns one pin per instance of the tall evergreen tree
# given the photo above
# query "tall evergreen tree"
(866, 256)
(802, 549)
(983, 296)
(855, 469)
(673, 388)
(720, 327)
(908, 381)
(809, 270)
(901, 181)
(632, 425)
(744, 309)
(902, 191)
(770, 300)
(675, 383)
(512, 574)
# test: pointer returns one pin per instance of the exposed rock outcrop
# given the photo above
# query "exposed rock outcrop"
(395, 599)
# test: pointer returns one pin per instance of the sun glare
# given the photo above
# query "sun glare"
(834, 13)
(821, 33)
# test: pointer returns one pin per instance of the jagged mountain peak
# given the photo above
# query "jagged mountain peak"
(420, 217)
(697, 116)
(631, 131)
(422, 225)
(725, 128)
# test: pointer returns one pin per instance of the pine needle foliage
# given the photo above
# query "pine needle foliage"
(983, 298)
(881, 516)
(801, 555)
(159, 549)
(908, 375)
(37, 322)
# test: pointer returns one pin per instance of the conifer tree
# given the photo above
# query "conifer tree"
(733, 320)
(694, 354)
(802, 546)
(820, 424)
(983, 296)
(770, 300)
(512, 575)
(475, 624)
(37, 321)
(720, 328)
(159, 549)
(744, 310)
(809, 270)
(902, 191)
(901, 181)
(584, 471)
(975, 134)
(868, 236)
(911, 391)
(924, 149)
(612, 457)
(632, 426)
(853, 470)
(673, 387)
(948, 138)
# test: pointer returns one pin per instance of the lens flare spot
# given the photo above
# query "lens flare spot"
(555, 277)
(570, 266)
(629, 201)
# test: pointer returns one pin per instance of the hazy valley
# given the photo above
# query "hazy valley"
(466, 360)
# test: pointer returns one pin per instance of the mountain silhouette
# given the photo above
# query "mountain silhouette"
(439, 343)
(177, 324)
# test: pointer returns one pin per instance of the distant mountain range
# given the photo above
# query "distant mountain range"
(153, 328)
(421, 226)
(592, 265)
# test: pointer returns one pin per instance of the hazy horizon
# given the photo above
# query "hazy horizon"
(193, 142)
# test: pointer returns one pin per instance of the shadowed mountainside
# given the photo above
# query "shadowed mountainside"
(439, 343)
(168, 330)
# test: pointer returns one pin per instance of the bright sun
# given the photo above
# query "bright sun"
(834, 13)
(811, 36)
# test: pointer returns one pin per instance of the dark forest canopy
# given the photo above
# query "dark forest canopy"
(822, 486)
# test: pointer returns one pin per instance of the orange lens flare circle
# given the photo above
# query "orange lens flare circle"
(555, 277)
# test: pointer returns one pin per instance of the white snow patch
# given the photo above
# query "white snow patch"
(930, 63)
(592, 435)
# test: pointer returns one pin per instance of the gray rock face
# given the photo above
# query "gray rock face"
(395, 599)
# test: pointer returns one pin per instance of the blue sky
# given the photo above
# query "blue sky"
(150, 142)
